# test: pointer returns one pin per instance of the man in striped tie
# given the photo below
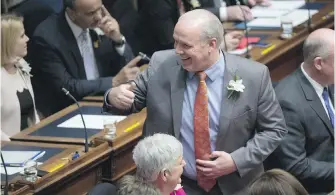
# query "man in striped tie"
(307, 99)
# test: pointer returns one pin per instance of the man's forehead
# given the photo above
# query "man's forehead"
(88, 5)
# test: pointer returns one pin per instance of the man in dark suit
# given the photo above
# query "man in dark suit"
(157, 18)
(82, 50)
(195, 93)
(306, 97)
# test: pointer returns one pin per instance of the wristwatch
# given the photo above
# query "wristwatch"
(121, 42)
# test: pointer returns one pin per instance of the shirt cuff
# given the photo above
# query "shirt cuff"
(223, 13)
(121, 49)
(106, 99)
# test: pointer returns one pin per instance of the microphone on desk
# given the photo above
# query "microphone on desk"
(309, 21)
(6, 175)
(81, 114)
(238, 3)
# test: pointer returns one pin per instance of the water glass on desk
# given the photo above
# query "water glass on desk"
(109, 129)
(287, 27)
(30, 170)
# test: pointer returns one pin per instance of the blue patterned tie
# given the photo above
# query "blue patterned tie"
(325, 97)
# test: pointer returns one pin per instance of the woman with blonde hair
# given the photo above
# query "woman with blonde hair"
(18, 109)
(276, 182)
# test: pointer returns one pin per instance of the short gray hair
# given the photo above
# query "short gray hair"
(209, 24)
(132, 185)
(212, 29)
(316, 46)
(155, 153)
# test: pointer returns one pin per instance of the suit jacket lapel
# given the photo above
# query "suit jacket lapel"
(72, 46)
(314, 100)
(177, 79)
(331, 93)
(227, 105)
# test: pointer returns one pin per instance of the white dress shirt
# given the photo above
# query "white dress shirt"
(90, 69)
(318, 89)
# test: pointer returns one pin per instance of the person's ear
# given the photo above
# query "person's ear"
(318, 63)
(164, 175)
(71, 13)
(212, 45)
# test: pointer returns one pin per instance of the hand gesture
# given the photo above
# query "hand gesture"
(128, 72)
(232, 40)
(222, 165)
(237, 12)
(109, 25)
(122, 97)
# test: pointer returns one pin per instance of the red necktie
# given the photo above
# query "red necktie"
(202, 143)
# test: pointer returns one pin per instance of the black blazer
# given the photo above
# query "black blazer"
(56, 62)
(156, 21)
(308, 150)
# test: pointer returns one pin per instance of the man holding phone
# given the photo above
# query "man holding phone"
(82, 50)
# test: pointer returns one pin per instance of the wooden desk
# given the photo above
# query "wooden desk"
(67, 177)
(287, 54)
(27, 134)
(120, 162)
(99, 99)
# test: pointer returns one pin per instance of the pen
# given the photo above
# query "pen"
(13, 164)
(267, 50)
(38, 156)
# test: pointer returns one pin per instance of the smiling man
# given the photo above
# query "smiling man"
(226, 134)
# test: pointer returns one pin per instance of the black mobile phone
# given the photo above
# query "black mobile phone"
(41, 173)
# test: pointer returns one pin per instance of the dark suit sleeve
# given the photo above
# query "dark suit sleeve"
(140, 91)
(292, 154)
(159, 15)
(49, 67)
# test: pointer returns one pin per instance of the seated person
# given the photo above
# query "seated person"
(159, 162)
(306, 97)
(276, 182)
(157, 19)
(81, 50)
(17, 97)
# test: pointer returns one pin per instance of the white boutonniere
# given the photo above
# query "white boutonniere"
(24, 67)
(235, 87)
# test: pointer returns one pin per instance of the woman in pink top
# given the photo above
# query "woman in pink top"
(159, 161)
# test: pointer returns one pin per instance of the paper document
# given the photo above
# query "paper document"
(282, 5)
(13, 170)
(91, 121)
(18, 157)
(268, 13)
(297, 17)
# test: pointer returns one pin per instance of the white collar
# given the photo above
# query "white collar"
(317, 86)
(76, 30)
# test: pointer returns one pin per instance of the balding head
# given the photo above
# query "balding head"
(198, 36)
(204, 21)
(318, 53)
(319, 43)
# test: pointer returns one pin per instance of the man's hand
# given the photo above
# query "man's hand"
(259, 2)
(232, 40)
(128, 72)
(235, 12)
(122, 97)
(109, 26)
(223, 165)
